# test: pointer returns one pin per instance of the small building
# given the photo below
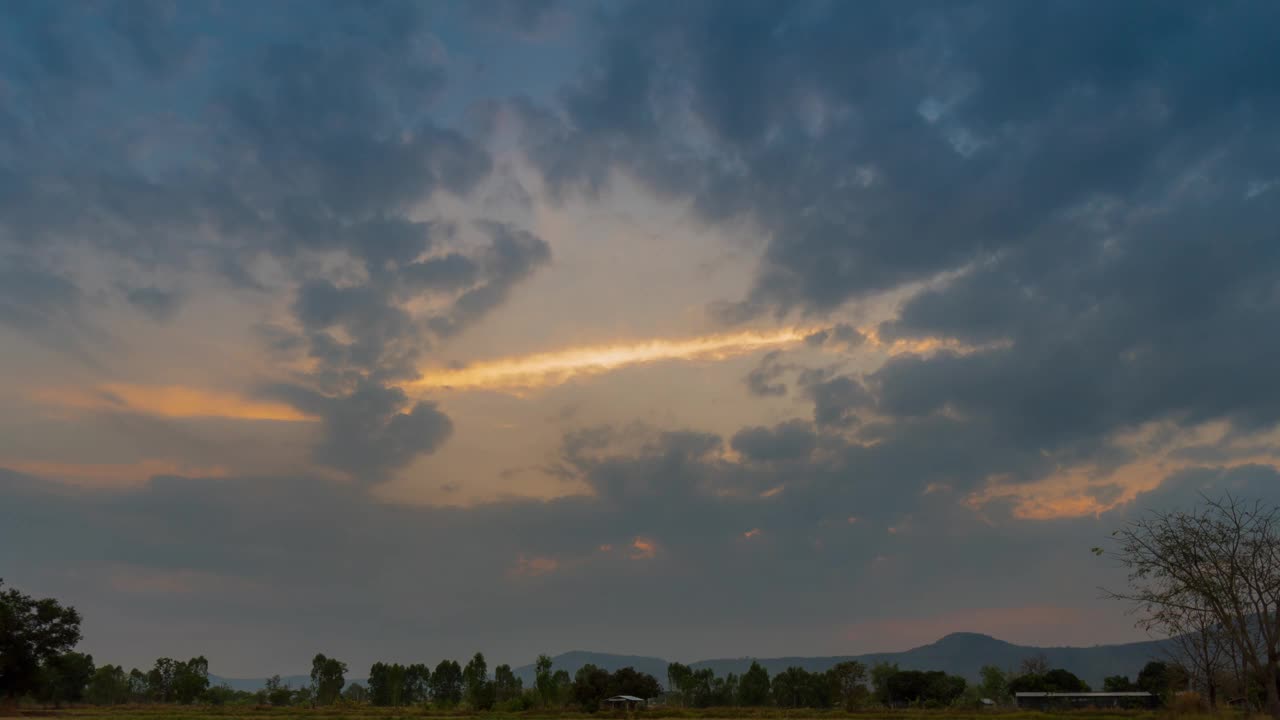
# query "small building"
(624, 702)
(1067, 701)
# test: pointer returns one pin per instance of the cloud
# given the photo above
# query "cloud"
(793, 440)
(553, 368)
(167, 401)
(160, 305)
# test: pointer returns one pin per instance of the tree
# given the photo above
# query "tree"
(278, 694)
(446, 683)
(190, 680)
(995, 684)
(160, 680)
(1056, 680)
(1154, 678)
(1037, 664)
(629, 681)
(327, 678)
(138, 686)
(356, 693)
(109, 686)
(31, 633)
(476, 684)
(590, 687)
(723, 690)
(506, 685)
(847, 684)
(753, 690)
(880, 674)
(678, 678)
(1223, 557)
(382, 692)
(542, 680)
(791, 687)
(563, 687)
(1198, 647)
(64, 678)
(1118, 683)
(417, 684)
(221, 694)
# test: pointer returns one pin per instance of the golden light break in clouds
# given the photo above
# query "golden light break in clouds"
(560, 366)
(557, 367)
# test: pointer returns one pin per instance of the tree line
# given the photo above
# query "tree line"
(37, 661)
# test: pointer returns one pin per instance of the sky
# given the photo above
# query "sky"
(397, 330)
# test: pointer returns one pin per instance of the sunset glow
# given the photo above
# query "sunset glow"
(561, 366)
(170, 401)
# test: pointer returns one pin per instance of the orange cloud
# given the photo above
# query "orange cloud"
(172, 401)
(109, 475)
(1087, 490)
(643, 549)
(753, 532)
(561, 366)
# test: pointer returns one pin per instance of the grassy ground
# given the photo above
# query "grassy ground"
(163, 712)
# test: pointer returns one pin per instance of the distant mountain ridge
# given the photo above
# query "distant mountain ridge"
(959, 653)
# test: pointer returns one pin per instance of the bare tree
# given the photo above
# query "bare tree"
(1223, 559)
(1037, 664)
(1197, 645)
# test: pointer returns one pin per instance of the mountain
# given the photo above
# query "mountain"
(959, 654)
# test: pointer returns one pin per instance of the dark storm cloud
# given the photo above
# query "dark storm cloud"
(882, 143)
(1097, 179)
(793, 440)
(295, 130)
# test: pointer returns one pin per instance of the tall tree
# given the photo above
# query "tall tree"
(328, 676)
(678, 678)
(446, 683)
(542, 680)
(753, 689)
(417, 684)
(506, 685)
(138, 686)
(847, 686)
(1223, 556)
(31, 633)
(190, 680)
(476, 684)
(160, 680)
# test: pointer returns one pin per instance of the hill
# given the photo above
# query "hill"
(961, 654)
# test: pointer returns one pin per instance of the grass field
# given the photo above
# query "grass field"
(169, 712)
